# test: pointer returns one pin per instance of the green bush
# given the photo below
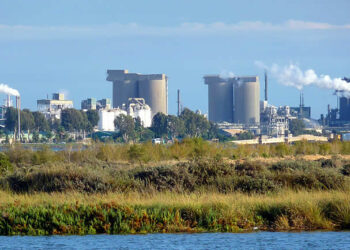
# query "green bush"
(5, 164)
(249, 168)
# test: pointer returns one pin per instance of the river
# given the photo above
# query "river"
(259, 240)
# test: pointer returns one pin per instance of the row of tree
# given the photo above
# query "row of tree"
(188, 124)
(72, 120)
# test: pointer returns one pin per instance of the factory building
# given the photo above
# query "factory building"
(152, 88)
(135, 107)
(88, 104)
(92, 104)
(233, 99)
(103, 104)
(344, 108)
(344, 105)
(52, 108)
(107, 117)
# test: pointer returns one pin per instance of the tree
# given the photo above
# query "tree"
(196, 124)
(11, 119)
(126, 126)
(92, 116)
(41, 124)
(27, 120)
(72, 120)
(296, 126)
(35, 136)
(160, 125)
(175, 126)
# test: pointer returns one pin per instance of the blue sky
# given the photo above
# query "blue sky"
(49, 46)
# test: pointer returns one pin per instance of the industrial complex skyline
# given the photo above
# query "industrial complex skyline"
(48, 47)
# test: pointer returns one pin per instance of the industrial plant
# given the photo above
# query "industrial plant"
(234, 105)
(233, 99)
(152, 88)
(52, 108)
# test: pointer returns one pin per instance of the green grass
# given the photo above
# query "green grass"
(167, 212)
(193, 186)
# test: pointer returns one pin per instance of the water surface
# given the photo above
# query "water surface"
(260, 240)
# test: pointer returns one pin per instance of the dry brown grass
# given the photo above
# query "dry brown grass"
(169, 198)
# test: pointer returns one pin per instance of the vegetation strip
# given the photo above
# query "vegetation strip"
(206, 213)
(189, 186)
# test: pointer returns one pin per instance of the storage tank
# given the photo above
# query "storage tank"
(246, 100)
(153, 88)
(344, 109)
(124, 86)
(220, 98)
(107, 117)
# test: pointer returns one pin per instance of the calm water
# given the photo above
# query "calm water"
(263, 240)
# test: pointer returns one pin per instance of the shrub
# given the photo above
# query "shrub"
(5, 164)
(249, 168)
(330, 163)
(248, 184)
(59, 180)
(136, 153)
(346, 170)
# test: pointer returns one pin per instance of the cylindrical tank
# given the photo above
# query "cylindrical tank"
(344, 111)
(246, 99)
(124, 89)
(153, 88)
(220, 99)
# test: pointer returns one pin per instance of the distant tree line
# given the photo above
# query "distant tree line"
(188, 124)
(72, 120)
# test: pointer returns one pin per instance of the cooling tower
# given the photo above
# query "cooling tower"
(246, 99)
(153, 88)
(220, 98)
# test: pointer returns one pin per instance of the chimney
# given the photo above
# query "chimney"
(178, 103)
(265, 86)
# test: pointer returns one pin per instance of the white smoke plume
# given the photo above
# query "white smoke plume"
(292, 75)
(7, 90)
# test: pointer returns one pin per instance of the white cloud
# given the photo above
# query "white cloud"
(134, 29)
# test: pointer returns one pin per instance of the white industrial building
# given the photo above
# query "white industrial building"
(52, 108)
(107, 117)
(136, 108)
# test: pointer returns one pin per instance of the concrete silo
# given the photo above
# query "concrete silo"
(220, 98)
(344, 108)
(246, 100)
(153, 88)
(124, 86)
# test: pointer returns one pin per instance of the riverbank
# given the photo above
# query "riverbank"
(113, 213)
(193, 186)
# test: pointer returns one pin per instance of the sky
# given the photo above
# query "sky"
(49, 46)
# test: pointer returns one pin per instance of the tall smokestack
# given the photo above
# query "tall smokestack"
(178, 103)
(265, 86)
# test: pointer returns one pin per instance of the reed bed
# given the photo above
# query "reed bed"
(76, 213)
(192, 186)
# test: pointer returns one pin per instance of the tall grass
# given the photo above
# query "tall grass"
(77, 213)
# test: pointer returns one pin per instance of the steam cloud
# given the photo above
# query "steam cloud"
(292, 75)
(7, 90)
